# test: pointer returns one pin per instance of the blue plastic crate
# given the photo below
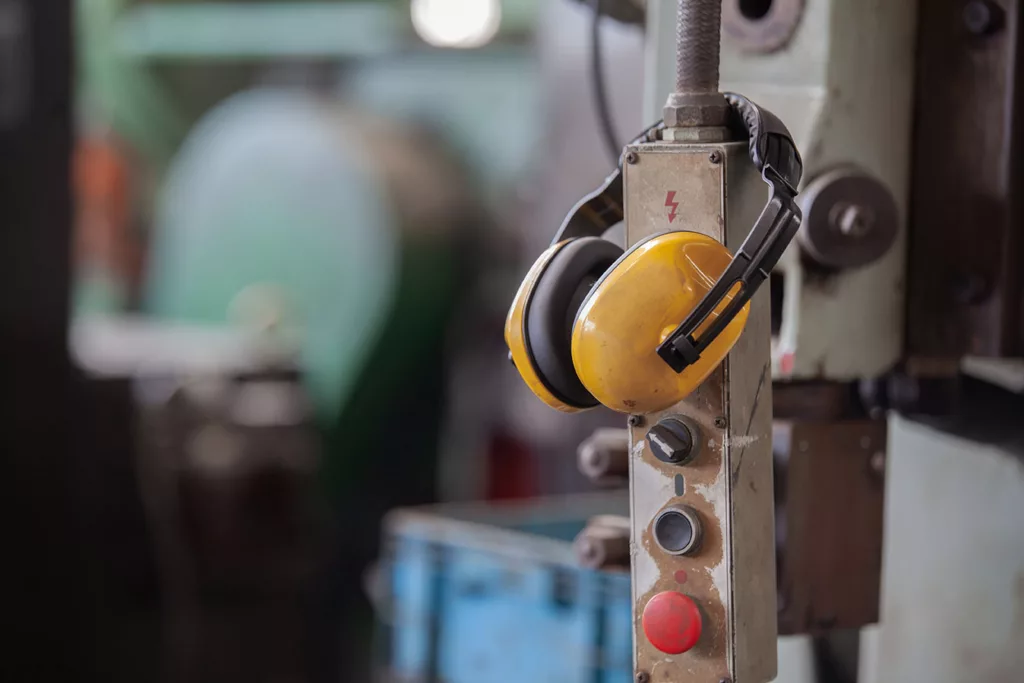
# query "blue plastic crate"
(493, 594)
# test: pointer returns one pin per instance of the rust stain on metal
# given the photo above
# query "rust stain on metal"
(727, 576)
(705, 571)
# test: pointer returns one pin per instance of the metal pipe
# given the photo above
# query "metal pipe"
(696, 111)
(698, 45)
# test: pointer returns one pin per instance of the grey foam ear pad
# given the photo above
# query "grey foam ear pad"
(556, 297)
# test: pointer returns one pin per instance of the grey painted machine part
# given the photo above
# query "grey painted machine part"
(761, 27)
(845, 105)
(953, 568)
(696, 101)
(850, 219)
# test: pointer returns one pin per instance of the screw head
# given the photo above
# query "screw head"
(632, 157)
(642, 677)
(636, 420)
(715, 157)
(720, 422)
(852, 220)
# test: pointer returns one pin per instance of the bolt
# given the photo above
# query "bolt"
(720, 422)
(636, 420)
(852, 220)
(643, 677)
(715, 157)
(632, 157)
(983, 17)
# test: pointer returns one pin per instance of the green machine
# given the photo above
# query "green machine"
(339, 236)
(301, 219)
(332, 215)
(314, 173)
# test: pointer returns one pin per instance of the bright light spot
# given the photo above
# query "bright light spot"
(456, 23)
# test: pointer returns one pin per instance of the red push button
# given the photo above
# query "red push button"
(672, 622)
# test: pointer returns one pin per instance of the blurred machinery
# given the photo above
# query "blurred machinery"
(964, 286)
(495, 592)
(198, 502)
(409, 126)
(312, 186)
(340, 234)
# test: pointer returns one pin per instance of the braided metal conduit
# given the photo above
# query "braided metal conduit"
(698, 45)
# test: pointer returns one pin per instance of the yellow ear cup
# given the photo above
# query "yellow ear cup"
(635, 307)
(515, 333)
(539, 326)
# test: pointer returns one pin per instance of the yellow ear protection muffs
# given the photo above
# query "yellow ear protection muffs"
(592, 324)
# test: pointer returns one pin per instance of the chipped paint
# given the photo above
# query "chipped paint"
(741, 441)
(658, 487)
(716, 495)
(707, 571)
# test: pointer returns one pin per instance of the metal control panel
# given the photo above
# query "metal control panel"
(701, 472)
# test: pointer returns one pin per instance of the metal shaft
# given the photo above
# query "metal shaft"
(696, 111)
(698, 45)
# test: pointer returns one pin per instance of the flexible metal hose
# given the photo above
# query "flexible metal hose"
(698, 45)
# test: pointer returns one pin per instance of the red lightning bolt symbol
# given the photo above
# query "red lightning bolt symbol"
(670, 201)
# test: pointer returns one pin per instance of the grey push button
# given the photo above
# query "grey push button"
(677, 530)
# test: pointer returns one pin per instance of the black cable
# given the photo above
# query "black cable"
(604, 116)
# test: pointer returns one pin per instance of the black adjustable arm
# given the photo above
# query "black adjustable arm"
(751, 266)
(775, 155)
